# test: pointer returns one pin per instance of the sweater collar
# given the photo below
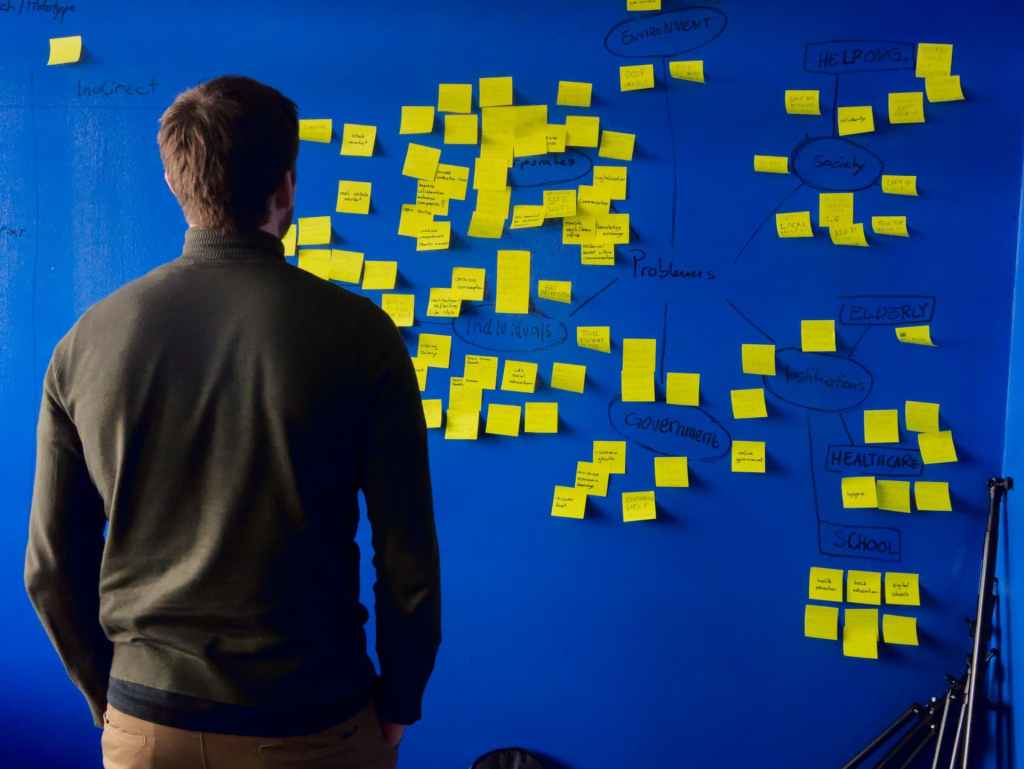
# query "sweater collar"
(203, 245)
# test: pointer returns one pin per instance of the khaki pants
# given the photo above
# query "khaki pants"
(131, 743)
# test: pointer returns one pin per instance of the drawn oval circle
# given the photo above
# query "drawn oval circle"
(665, 34)
(553, 168)
(833, 164)
(670, 430)
(509, 333)
(819, 381)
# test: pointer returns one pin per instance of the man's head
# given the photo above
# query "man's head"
(229, 147)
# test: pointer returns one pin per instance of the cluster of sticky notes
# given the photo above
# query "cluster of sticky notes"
(934, 63)
(638, 366)
(835, 212)
(869, 492)
(332, 264)
(607, 458)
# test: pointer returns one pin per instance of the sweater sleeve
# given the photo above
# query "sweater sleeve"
(65, 549)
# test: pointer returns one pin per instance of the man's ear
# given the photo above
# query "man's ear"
(284, 196)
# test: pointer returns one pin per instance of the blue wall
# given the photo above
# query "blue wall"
(598, 643)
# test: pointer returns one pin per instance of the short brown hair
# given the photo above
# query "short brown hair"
(226, 145)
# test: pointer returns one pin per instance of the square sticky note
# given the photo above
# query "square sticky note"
(859, 491)
(943, 88)
(541, 418)
(848, 235)
(638, 506)
(358, 140)
(637, 385)
(594, 338)
(416, 120)
(863, 587)
(748, 456)
(435, 350)
(484, 225)
(921, 416)
(899, 185)
(611, 180)
(574, 94)
(818, 335)
(897, 629)
(461, 129)
(893, 496)
(921, 335)
(803, 102)
(444, 303)
(932, 496)
(636, 77)
(771, 164)
(469, 282)
(906, 107)
(794, 224)
(748, 403)
(902, 588)
(937, 448)
(489, 173)
(481, 370)
(400, 307)
(455, 97)
(462, 425)
(346, 266)
(559, 203)
(519, 376)
(314, 230)
(821, 622)
(316, 261)
(413, 219)
(435, 236)
(64, 50)
(568, 376)
(933, 59)
(592, 478)
(503, 420)
(612, 228)
(379, 275)
(353, 197)
(495, 91)
(692, 70)
(316, 130)
(421, 161)
(860, 633)
(432, 412)
(758, 359)
(855, 120)
(616, 145)
(582, 130)
(825, 584)
(881, 426)
(610, 454)
(569, 502)
(672, 472)
(639, 353)
(452, 180)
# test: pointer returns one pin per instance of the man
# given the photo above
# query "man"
(220, 415)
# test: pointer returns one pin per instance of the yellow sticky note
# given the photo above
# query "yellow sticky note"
(771, 164)
(932, 496)
(503, 420)
(636, 77)
(612, 180)
(65, 50)
(358, 140)
(592, 478)
(692, 70)
(758, 359)
(582, 130)
(413, 219)
(859, 492)
(452, 180)
(316, 261)
(825, 584)
(597, 254)
(555, 136)
(289, 241)
(594, 338)
(639, 506)
(902, 588)
(484, 225)
(495, 91)
(512, 295)
(835, 208)
(748, 456)
(643, 5)
(592, 201)
(432, 412)
(921, 335)
(921, 417)
(748, 403)
(421, 161)
(314, 230)
(943, 88)
(555, 290)
(639, 354)
(899, 185)
(416, 120)
(863, 587)
(435, 350)
(637, 385)
(803, 102)
(527, 216)
(906, 107)
(855, 120)
(462, 425)
(616, 145)
(569, 502)
(559, 203)
(463, 395)
(794, 224)
(821, 622)
(672, 472)
(860, 633)
(319, 130)
(568, 376)
(455, 97)
(610, 455)
(818, 335)
(890, 225)
(481, 370)
(937, 448)
(933, 59)
(431, 197)
(682, 389)
(897, 629)
(461, 129)
(469, 282)
(346, 266)
(893, 496)
(489, 174)
(494, 202)
(519, 376)
(353, 197)
(541, 418)
(848, 235)
(379, 275)
(444, 303)
(881, 426)
(612, 228)
(401, 308)
(574, 94)
(422, 369)
(435, 236)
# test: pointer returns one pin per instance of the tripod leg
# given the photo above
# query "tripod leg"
(888, 732)
(942, 729)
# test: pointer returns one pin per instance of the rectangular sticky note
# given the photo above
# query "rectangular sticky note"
(803, 102)
(481, 370)
(64, 50)
(638, 506)
(932, 496)
(421, 161)
(346, 266)
(637, 385)
(555, 137)
(906, 107)
(512, 295)
(432, 412)
(526, 217)
(582, 130)
(469, 282)
(568, 376)
(455, 97)
(860, 633)
(636, 77)
(758, 359)
(855, 120)
(462, 425)
(416, 120)
(316, 130)
(943, 88)
(616, 145)
(933, 59)
(672, 472)
(316, 261)
(859, 492)
(893, 184)
(289, 241)
(435, 350)
(461, 129)
(881, 426)
(519, 376)
(400, 307)
(692, 70)
(495, 91)
(555, 290)
(748, 403)
(821, 622)
(435, 236)
(825, 584)
(594, 338)
(902, 588)
(358, 140)
(921, 335)
(597, 254)
(559, 203)
(444, 303)
(503, 420)
(452, 180)
(489, 174)
(612, 180)
(574, 94)
(643, 5)
(863, 587)
(937, 448)
(890, 225)
(893, 496)
(610, 454)
(748, 456)
(639, 353)
(379, 275)
(771, 164)
(682, 389)
(794, 224)
(897, 629)
(835, 208)
(541, 418)
(818, 335)
(921, 417)
(484, 225)
(592, 478)
(569, 502)
(353, 197)
(314, 230)
(848, 235)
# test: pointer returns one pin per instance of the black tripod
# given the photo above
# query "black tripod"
(900, 743)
